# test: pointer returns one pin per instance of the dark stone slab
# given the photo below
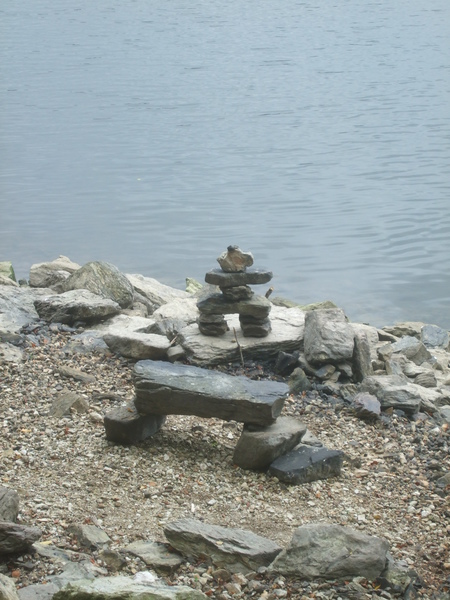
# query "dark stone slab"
(164, 388)
(255, 327)
(249, 277)
(305, 464)
(15, 538)
(216, 304)
(240, 292)
(124, 425)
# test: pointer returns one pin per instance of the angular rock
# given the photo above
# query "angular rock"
(252, 327)
(38, 591)
(50, 274)
(16, 538)
(9, 504)
(125, 588)
(286, 335)
(77, 305)
(164, 388)
(367, 406)
(172, 317)
(237, 550)
(258, 447)
(10, 353)
(409, 346)
(212, 325)
(156, 556)
(155, 292)
(399, 330)
(7, 281)
(104, 280)
(372, 335)
(249, 277)
(235, 260)
(240, 292)
(307, 463)
(124, 425)
(76, 374)
(322, 551)
(137, 345)
(112, 559)
(17, 307)
(7, 588)
(444, 413)
(90, 536)
(286, 362)
(66, 400)
(216, 304)
(362, 357)
(298, 381)
(7, 270)
(433, 336)
(328, 337)
(426, 379)
(175, 353)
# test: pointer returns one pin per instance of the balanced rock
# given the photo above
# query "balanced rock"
(248, 277)
(234, 259)
(216, 304)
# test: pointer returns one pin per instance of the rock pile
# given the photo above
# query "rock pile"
(236, 296)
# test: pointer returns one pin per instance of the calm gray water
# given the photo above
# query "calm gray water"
(314, 134)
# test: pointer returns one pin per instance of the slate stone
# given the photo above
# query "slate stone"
(50, 274)
(249, 277)
(433, 336)
(18, 308)
(124, 425)
(324, 551)
(396, 392)
(409, 346)
(286, 362)
(216, 304)
(367, 406)
(307, 463)
(362, 357)
(328, 337)
(155, 293)
(426, 379)
(234, 260)
(90, 536)
(164, 388)
(156, 555)
(137, 345)
(77, 305)
(104, 280)
(240, 292)
(9, 504)
(258, 447)
(255, 327)
(237, 550)
(15, 538)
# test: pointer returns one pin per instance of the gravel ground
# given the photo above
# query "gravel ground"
(67, 473)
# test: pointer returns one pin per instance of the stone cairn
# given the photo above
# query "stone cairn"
(234, 279)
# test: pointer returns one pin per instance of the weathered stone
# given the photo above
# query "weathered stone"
(286, 303)
(66, 400)
(258, 447)
(212, 324)
(408, 328)
(192, 285)
(252, 327)
(236, 550)
(77, 305)
(7, 270)
(125, 588)
(426, 379)
(286, 335)
(234, 259)
(433, 336)
(164, 388)
(175, 353)
(362, 357)
(298, 381)
(124, 425)
(76, 374)
(328, 337)
(367, 406)
(155, 292)
(7, 281)
(104, 280)
(249, 277)
(306, 463)
(15, 538)
(286, 362)
(7, 589)
(397, 392)
(10, 353)
(50, 274)
(156, 555)
(9, 504)
(216, 304)
(325, 372)
(38, 591)
(112, 559)
(172, 317)
(322, 551)
(90, 536)
(240, 292)
(137, 345)
(409, 346)
(17, 307)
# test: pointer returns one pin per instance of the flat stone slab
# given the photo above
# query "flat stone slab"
(305, 464)
(216, 304)
(248, 277)
(156, 555)
(172, 389)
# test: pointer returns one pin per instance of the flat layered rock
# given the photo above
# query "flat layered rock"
(156, 555)
(248, 277)
(305, 464)
(216, 304)
(137, 345)
(172, 389)
(76, 305)
(15, 538)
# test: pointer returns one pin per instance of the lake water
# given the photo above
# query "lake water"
(154, 134)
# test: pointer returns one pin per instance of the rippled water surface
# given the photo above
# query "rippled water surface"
(154, 134)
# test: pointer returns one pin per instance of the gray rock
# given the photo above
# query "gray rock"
(155, 292)
(236, 550)
(172, 317)
(240, 292)
(164, 388)
(411, 328)
(10, 353)
(426, 379)
(156, 555)
(309, 439)
(235, 260)
(307, 463)
(395, 391)
(77, 305)
(372, 335)
(104, 280)
(137, 345)
(444, 413)
(90, 536)
(112, 559)
(175, 353)
(216, 304)
(6, 270)
(249, 277)
(367, 406)
(192, 285)
(258, 447)
(212, 325)
(362, 357)
(298, 381)
(9, 504)
(409, 346)
(124, 425)
(17, 307)
(286, 335)
(38, 591)
(332, 552)
(433, 336)
(7, 589)
(7, 281)
(328, 337)
(15, 538)
(252, 327)
(66, 400)
(125, 588)
(50, 274)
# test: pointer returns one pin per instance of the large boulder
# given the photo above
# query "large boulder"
(237, 550)
(154, 292)
(77, 305)
(329, 338)
(332, 552)
(104, 280)
(51, 274)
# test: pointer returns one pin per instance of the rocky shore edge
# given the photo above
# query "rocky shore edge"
(400, 371)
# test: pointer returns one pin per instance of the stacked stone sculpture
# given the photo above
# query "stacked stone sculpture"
(234, 279)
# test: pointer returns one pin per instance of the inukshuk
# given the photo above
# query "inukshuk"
(234, 279)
